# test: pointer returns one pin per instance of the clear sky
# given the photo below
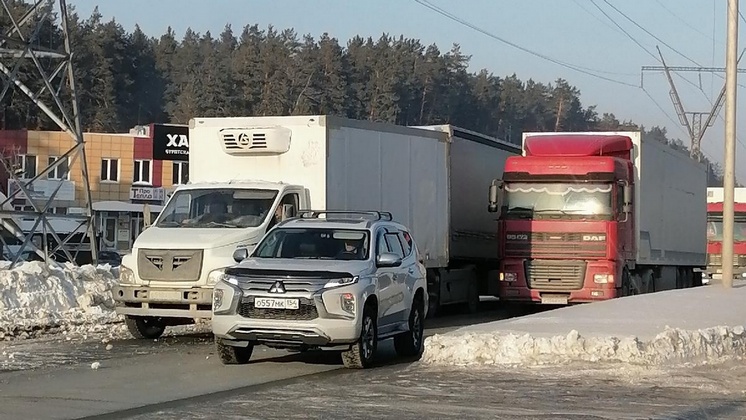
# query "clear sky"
(576, 32)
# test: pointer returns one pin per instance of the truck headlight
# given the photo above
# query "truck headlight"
(215, 276)
(508, 276)
(341, 282)
(603, 278)
(126, 275)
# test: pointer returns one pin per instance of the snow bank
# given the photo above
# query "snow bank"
(670, 347)
(36, 297)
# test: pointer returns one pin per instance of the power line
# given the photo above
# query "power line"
(640, 44)
(580, 5)
(580, 69)
(684, 22)
(650, 33)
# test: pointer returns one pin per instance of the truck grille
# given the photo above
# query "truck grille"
(717, 259)
(306, 311)
(546, 244)
(554, 276)
(169, 265)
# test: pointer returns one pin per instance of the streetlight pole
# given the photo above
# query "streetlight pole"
(731, 58)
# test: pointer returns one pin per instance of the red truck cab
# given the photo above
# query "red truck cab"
(566, 222)
(715, 240)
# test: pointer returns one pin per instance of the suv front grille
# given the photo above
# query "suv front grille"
(306, 311)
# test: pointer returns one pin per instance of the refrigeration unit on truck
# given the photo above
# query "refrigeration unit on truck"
(715, 233)
(248, 173)
(596, 215)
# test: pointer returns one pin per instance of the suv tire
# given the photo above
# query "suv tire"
(363, 352)
(231, 355)
(144, 327)
(410, 343)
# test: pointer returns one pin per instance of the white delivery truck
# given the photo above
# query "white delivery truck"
(247, 173)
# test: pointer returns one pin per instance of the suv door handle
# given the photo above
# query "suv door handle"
(411, 270)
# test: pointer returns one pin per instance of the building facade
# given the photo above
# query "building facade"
(125, 171)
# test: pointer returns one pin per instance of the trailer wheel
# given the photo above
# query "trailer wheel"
(473, 302)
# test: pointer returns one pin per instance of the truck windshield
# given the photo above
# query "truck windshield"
(217, 208)
(534, 199)
(715, 227)
(317, 244)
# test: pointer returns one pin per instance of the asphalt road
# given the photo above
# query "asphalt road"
(52, 378)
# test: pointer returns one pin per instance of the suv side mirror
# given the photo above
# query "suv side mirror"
(240, 254)
(387, 259)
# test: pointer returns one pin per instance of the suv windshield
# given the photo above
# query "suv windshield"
(217, 208)
(315, 243)
(526, 199)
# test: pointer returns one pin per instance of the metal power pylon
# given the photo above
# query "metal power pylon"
(692, 121)
(57, 98)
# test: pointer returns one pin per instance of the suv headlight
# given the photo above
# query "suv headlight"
(215, 276)
(126, 275)
(341, 282)
(223, 297)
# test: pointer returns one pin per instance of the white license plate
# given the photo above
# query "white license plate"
(554, 300)
(275, 303)
(164, 295)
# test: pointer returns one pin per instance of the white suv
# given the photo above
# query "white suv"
(343, 281)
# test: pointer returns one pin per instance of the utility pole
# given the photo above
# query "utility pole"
(731, 76)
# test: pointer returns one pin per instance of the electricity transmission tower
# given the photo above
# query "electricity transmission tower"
(57, 99)
(691, 120)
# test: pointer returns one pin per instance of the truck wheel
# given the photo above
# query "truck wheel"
(361, 354)
(231, 355)
(410, 343)
(472, 305)
(144, 326)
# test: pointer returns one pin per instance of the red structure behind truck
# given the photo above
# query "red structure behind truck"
(715, 233)
(593, 216)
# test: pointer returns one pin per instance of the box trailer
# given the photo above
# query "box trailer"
(594, 215)
(430, 178)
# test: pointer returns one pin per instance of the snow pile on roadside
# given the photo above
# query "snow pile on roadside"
(670, 347)
(36, 297)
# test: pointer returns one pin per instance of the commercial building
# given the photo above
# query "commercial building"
(126, 171)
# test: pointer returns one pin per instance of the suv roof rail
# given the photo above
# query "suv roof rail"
(378, 215)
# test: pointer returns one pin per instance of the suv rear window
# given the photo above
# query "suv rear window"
(315, 243)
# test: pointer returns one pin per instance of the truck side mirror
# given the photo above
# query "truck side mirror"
(627, 192)
(288, 211)
(494, 196)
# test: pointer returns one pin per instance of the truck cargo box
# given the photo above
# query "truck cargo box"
(432, 179)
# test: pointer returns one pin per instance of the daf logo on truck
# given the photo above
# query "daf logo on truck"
(594, 238)
(517, 236)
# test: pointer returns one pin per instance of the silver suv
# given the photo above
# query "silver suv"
(343, 281)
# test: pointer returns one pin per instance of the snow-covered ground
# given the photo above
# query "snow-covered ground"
(698, 325)
(37, 298)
